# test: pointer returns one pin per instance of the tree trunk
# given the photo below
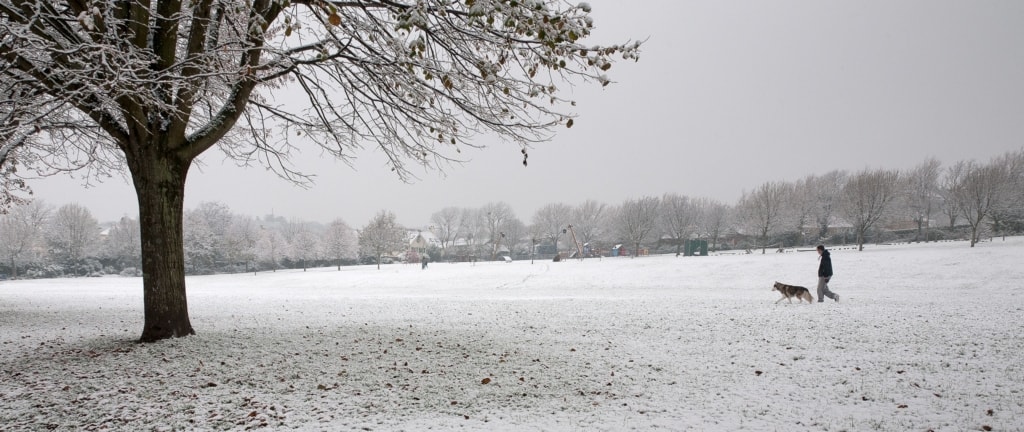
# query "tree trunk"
(160, 186)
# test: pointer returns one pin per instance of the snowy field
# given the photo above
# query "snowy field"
(927, 337)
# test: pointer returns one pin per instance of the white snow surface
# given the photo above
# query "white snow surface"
(926, 337)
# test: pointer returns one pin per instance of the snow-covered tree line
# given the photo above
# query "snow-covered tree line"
(968, 200)
(927, 202)
(930, 201)
(37, 240)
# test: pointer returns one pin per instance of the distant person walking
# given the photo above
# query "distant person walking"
(824, 275)
(425, 260)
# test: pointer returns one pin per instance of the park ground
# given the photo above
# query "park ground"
(926, 337)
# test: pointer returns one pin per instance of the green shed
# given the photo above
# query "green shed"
(695, 248)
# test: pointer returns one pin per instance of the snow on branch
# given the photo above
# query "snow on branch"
(418, 80)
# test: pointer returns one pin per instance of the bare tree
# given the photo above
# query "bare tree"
(589, 220)
(446, 227)
(827, 190)
(801, 208)
(122, 243)
(952, 179)
(304, 239)
(341, 241)
(866, 199)
(382, 235)
(270, 245)
(495, 215)
(981, 190)
(73, 233)
(513, 231)
(240, 241)
(678, 217)
(712, 218)
(536, 234)
(471, 230)
(921, 189)
(761, 210)
(636, 219)
(152, 85)
(200, 244)
(204, 234)
(1008, 213)
(21, 234)
(553, 219)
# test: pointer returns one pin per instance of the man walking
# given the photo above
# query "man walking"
(824, 274)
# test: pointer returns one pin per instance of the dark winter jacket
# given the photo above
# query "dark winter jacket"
(825, 266)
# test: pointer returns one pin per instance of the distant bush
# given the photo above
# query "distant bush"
(200, 271)
(84, 267)
(348, 261)
(131, 272)
(235, 268)
(45, 272)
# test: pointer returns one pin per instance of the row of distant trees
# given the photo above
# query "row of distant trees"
(928, 202)
(37, 240)
(935, 200)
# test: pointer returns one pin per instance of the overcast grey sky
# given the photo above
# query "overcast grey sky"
(727, 95)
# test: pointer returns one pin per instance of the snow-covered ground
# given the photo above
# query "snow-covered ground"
(927, 337)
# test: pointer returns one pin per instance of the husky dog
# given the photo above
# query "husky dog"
(790, 291)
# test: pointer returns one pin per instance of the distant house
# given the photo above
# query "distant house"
(418, 243)
(421, 240)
